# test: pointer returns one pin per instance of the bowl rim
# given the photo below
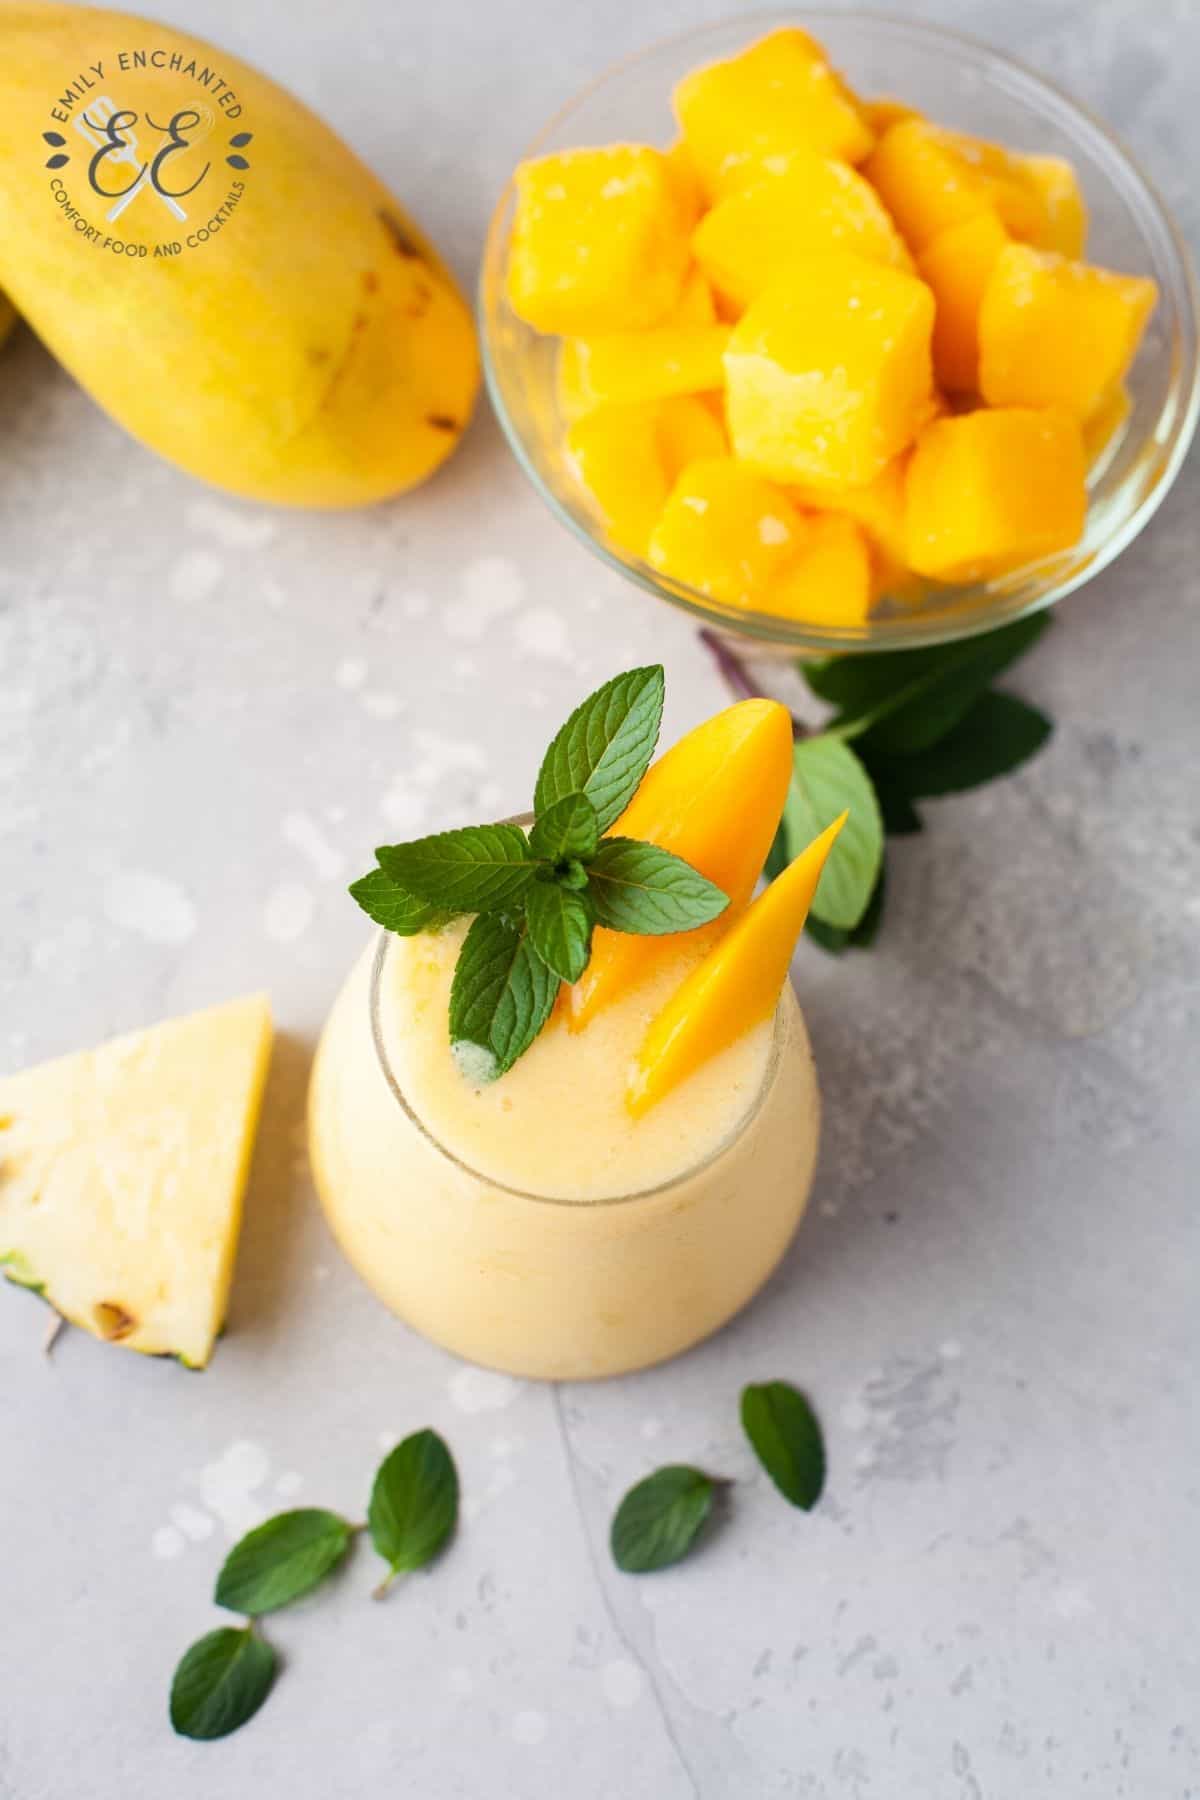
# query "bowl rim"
(906, 630)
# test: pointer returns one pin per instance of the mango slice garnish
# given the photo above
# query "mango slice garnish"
(715, 798)
(737, 985)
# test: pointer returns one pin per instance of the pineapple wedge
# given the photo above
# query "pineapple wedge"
(121, 1177)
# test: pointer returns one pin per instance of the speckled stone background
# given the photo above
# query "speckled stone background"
(209, 713)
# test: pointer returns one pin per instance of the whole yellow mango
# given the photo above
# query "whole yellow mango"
(217, 269)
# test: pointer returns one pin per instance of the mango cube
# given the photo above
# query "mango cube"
(725, 531)
(688, 185)
(807, 203)
(958, 264)
(628, 459)
(1058, 333)
(695, 305)
(881, 114)
(1104, 426)
(993, 489)
(615, 453)
(687, 432)
(878, 510)
(1064, 211)
(830, 581)
(648, 365)
(778, 95)
(1015, 199)
(828, 373)
(924, 181)
(599, 240)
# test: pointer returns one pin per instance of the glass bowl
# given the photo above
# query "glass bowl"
(962, 84)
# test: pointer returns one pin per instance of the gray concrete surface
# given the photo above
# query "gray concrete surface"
(208, 715)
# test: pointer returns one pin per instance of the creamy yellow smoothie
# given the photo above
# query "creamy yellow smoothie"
(533, 1224)
(564, 1115)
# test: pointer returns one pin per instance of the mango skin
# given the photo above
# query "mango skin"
(314, 351)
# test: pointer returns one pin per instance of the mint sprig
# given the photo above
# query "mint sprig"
(536, 897)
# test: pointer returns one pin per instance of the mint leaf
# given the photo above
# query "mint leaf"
(638, 887)
(568, 828)
(998, 734)
(908, 699)
(836, 938)
(605, 746)
(221, 1681)
(282, 1559)
(414, 1504)
(383, 900)
(786, 1438)
(659, 1520)
(559, 924)
(828, 778)
(501, 996)
(481, 868)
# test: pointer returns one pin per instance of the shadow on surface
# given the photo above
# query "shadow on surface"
(267, 1274)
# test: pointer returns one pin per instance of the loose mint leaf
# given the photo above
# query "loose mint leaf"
(659, 1520)
(568, 828)
(383, 900)
(605, 746)
(221, 1682)
(414, 1504)
(828, 778)
(640, 888)
(282, 1559)
(501, 996)
(908, 699)
(786, 1438)
(998, 734)
(481, 868)
(559, 924)
(835, 938)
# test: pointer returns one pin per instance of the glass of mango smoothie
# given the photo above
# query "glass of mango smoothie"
(631, 1180)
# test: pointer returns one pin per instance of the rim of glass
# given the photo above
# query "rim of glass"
(781, 1027)
(1181, 404)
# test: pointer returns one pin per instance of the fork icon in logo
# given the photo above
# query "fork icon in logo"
(115, 143)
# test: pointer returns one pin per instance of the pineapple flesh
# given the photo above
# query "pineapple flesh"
(122, 1171)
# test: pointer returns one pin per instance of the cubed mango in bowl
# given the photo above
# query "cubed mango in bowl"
(829, 580)
(805, 203)
(599, 240)
(629, 457)
(993, 489)
(957, 265)
(726, 532)
(819, 352)
(828, 372)
(778, 95)
(1053, 332)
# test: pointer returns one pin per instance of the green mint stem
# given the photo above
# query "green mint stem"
(380, 1592)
